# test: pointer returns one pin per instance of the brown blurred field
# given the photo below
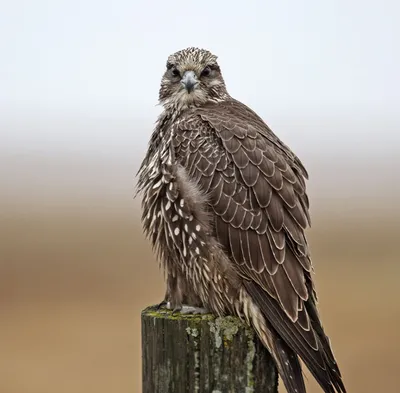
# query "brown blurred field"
(74, 278)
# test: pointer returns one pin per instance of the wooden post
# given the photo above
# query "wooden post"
(203, 354)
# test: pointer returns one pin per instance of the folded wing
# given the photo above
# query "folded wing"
(256, 190)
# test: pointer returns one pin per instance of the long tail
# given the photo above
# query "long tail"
(288, 366)
(286, 342)
(286, 360)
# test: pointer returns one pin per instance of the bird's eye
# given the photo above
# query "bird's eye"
(206, 71)
(175, 72)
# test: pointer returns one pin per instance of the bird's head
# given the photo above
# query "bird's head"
(192, 78)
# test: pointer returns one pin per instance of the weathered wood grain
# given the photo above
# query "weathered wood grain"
(203, 354)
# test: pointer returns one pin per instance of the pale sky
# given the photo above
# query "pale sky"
(88, 56)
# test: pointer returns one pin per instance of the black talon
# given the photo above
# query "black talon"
(161, 305)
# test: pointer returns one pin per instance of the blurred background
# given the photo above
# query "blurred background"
(78, 92)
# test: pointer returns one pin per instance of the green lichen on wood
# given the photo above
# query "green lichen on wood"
(224, 329)
(192, 331)
(169, 314)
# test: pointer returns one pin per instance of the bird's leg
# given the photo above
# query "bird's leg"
(166, 301)
(188, 303)
(179, 295)
(175, 295)
(173, 298)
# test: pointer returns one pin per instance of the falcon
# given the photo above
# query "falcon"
(225, 207)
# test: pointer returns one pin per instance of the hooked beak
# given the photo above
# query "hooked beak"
(189, 81)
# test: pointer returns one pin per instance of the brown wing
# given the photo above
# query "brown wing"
(256, 191)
